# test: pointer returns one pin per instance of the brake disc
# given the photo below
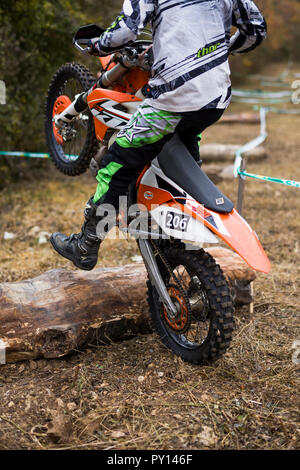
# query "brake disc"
(181, 322)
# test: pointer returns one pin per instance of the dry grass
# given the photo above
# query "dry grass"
(136, 394)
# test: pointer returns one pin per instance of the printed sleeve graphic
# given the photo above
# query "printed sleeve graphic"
(252, 28)
(191, 44)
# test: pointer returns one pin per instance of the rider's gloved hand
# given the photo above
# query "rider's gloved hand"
(93, 46)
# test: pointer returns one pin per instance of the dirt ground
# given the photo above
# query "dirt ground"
(136, 394)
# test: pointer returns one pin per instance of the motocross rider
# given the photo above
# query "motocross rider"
(188, 91)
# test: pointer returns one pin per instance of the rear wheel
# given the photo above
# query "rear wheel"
(202, 330)
(72, 149)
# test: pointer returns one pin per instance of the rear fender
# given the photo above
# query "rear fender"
(231, 228)
(235, 232)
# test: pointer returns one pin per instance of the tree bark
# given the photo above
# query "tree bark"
(61, 311)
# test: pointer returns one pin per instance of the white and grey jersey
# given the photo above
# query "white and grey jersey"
(191, 43)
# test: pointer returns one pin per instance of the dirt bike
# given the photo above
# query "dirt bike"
(173, 201)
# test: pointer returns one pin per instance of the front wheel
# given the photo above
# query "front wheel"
(202, 330)
(72, 150)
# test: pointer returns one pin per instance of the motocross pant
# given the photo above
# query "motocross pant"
(141, 140)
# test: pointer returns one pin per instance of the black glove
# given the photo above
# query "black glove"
(93, 46)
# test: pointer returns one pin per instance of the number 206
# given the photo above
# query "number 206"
(177, 221)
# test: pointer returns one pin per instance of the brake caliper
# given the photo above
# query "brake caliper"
(179, 323)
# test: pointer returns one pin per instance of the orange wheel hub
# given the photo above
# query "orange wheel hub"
(61, 103)
(179, 322)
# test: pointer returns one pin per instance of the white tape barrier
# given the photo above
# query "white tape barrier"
(2, 92)
(2, 352)
(262, 94)
(261, 97)
(273, 109)
(260, 101)
(252, 144)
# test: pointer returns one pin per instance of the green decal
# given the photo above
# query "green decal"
(104, 177)
(115, 23)
(208, 50)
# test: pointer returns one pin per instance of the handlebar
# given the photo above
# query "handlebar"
(77, 43)
(129, 57)
(84, 34)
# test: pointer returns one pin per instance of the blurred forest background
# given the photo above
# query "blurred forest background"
(36, 38)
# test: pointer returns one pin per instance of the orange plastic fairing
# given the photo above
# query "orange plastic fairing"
(236, 232)
(99, 95)
(133, 81)
(150, 196)
(105, 61)
(61, 103)
(231, 228)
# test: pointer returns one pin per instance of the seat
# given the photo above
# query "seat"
(178, 164)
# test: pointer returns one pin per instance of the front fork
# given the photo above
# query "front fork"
(155, 276)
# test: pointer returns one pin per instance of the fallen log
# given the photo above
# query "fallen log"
(240, 118)
(218, 173)
(221, 152)
(62, 311)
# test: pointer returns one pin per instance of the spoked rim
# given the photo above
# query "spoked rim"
(70, 151)
(199, 322)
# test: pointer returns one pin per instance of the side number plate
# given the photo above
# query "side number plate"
(177, 221)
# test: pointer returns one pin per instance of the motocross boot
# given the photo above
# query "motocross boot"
(81, 248)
